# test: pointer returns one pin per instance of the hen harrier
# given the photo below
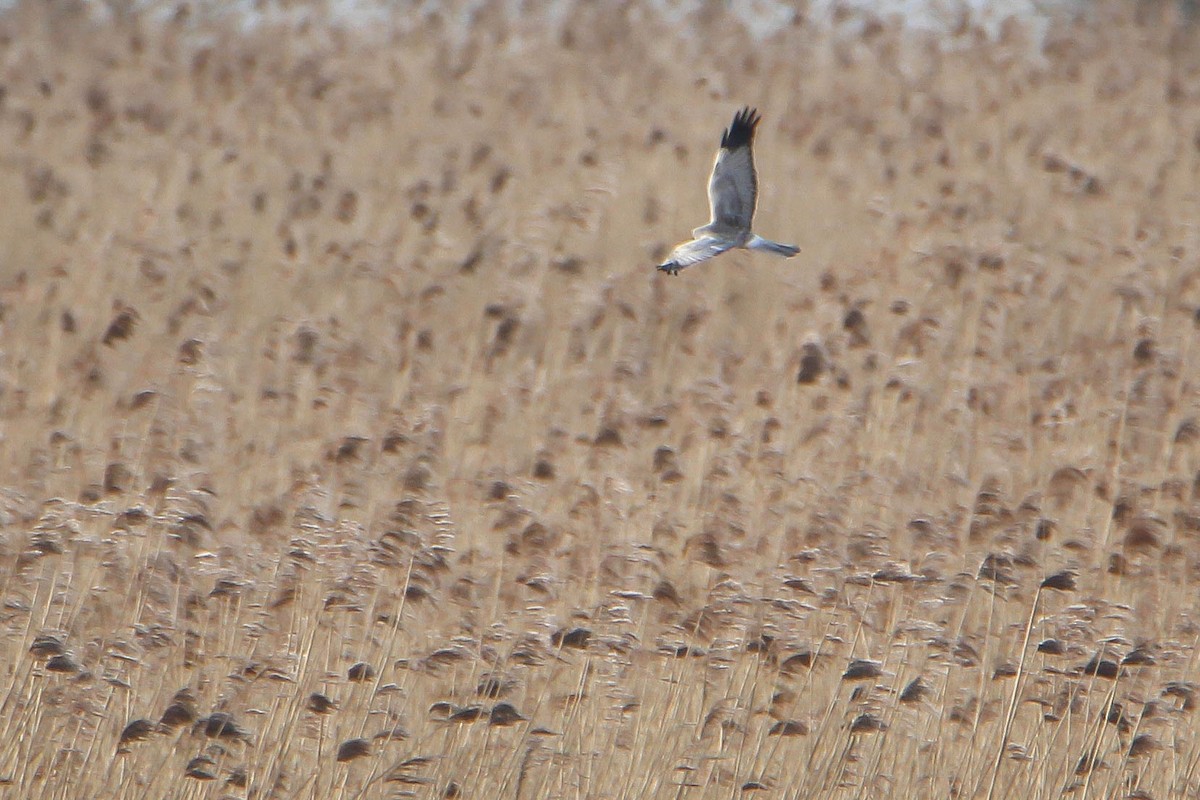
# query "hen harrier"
(732, 192)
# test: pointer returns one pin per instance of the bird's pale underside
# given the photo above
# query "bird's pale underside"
(732, 194)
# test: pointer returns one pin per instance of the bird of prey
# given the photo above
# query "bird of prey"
(732, 193)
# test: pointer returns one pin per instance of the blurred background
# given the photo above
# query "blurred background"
(351, 445)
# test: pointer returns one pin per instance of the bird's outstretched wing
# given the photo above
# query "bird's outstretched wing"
(695, 251)
(733, 187)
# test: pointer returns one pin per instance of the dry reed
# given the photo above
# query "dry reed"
(352, 448)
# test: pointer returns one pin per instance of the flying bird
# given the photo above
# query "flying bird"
(732, 194)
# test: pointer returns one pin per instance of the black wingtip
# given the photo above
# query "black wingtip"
(741, 132)
(671, 268)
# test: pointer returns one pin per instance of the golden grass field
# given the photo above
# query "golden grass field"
(351, 446)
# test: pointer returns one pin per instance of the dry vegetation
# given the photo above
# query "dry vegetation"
(351, 447)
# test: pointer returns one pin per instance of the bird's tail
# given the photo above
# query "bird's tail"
(767, 246)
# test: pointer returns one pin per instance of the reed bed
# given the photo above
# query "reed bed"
(351, 447)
